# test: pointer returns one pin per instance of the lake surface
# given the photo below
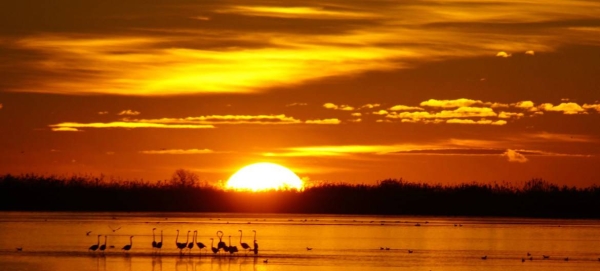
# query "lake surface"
(59, 241)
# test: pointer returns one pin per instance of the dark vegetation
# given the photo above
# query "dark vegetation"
(535, 198)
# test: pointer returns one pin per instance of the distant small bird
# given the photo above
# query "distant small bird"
(566, 259)
(546, 256)
(484, 257)
(531, 258)
(380, 248)
(114, 230)
(88, 233)
(21, 249)
(417, 224)
(387, 248)
(266, 261)
(528, 254)
(410, 251)
(308, 248)
(522, 260)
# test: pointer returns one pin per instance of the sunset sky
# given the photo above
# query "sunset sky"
(338, 91)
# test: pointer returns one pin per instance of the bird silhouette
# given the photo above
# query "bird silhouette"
(114, 230)
(221, 244)
(200, 245)
(545, 257)
(255, 243)
(308, 248)
(159, 244)
(128, 247)
(180, 246)
(245, 246)
(88, 233)
(410, 251)
(21, 249)
(232, 249)
(266, 261)
(103, 246)
(190, 245)
(484, 257)
(214, 249)
(153, 238)
(95, 247)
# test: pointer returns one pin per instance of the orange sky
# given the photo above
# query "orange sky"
(338, 91)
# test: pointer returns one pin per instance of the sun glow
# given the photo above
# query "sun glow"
(264, 176)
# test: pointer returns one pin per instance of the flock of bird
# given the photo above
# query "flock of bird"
(157, 246)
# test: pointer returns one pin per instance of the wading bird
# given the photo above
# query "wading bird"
(255, 243)
(95, 247)
(180, 246)
(308, 248)
(232, 249)
(190, 245)
(103, 246)
(128, 247)
(199, 244)
(214, 249)
(221, 244)
(153, 238)
(159, 244)
(245, 246)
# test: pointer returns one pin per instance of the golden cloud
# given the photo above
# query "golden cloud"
(129, 112)
(514, 156)
(503, 54)
(586, 106)
(323, 121)
(524, 104)
(370, 106)
(295, 12)
(481, 122)
(178, 151)
(124, 124)
(404, 108)
(225, 119)
(508, 115)
(451, 103)
(338, 107)
(566, 108)
(65, 129)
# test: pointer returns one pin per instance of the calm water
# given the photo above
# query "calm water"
(58, 241)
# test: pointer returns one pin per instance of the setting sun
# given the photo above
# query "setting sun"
(264, 176)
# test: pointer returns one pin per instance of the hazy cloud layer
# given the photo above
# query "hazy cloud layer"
(176, 47)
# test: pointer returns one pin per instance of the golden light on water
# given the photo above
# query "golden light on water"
(264, 176)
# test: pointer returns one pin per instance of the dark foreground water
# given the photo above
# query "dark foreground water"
(60, 241)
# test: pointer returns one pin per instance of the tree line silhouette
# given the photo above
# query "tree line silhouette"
(184, 193)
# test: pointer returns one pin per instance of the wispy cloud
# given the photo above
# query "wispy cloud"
(102, 112)
(178, 151)
(514, 156)
(65, 129)
(338, 107)
(481, 122)
(296, 12)
(296, 104)
(503, 54)
(404, 108)
(323, 121)
(129, 112)
(72, 126)
(462, 102)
